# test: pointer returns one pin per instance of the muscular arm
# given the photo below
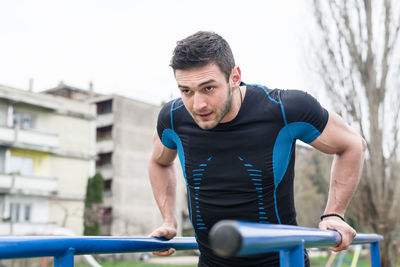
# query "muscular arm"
(163, 182)
(348, 147)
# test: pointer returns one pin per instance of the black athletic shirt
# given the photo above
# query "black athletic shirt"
(242, 169)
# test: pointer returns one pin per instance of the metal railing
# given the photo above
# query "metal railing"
(228, 238)
(231, 238)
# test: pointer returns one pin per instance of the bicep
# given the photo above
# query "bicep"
(336, 137)
(162, 154)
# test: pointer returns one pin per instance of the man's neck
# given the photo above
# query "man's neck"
(238, 96)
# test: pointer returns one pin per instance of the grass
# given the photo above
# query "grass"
(363, 261)
(317, 261)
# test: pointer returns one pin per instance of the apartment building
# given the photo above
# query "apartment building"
(47, 153)
(124, 133)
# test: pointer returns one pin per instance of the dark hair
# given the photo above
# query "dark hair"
(203, 48)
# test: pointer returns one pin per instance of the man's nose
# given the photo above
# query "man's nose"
(199, 102)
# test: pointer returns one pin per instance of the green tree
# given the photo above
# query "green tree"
(93, 205)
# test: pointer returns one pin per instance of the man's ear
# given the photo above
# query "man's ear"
(236, 77)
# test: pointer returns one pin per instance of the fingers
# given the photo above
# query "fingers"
(168, 233)
(323, 226)
(159, 232)
(346, 231)
(164, 253)
(347, 237)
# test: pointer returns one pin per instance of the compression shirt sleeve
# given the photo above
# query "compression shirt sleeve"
(305, 117)
(164, 128)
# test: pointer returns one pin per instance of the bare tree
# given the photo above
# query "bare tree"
(357, 57)
(309, 186)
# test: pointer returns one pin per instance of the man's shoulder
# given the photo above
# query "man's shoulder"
(290, 98)
(295, 94)
(170, 107)
(300, 106)
(262, 92)
(298, 99)
(167, 120)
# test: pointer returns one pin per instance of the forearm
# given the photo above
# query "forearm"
(345, 176)
(348, 148)
(163, 183)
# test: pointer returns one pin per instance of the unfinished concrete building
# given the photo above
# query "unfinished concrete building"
(124, 134)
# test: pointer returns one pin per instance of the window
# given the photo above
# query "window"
(107, 185)
(79, 96)
(2, 117)
(23, 121)
(27, 212)
(21, 165)
(20, 212)
(14, 211)
(104, 133)
(2, 160)
(107, 215)
(104, 107)
(104, 159)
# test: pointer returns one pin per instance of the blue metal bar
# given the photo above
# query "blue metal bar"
(49, 246)
(247, 238)
(293, 256)
(341, 258)
(375, 256)
(366, 238)
(66, 260)
(228, 238)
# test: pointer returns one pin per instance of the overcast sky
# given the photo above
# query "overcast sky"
(124, 46)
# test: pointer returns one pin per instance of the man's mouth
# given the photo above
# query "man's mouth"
(204, 116)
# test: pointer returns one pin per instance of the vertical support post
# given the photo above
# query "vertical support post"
(341, 258)
(293, 256)
(10, 115)
(394, 252)
(66, 260)
(375, 255)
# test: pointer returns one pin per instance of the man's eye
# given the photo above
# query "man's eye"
(185, 92)
(209, 88)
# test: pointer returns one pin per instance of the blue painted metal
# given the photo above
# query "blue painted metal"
(47, 246)
(341, 258)
(293, 256)
(375, 256)
(66, 260)
(254, 238)
(260, 238)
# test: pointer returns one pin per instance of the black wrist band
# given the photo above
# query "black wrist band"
(332, 214)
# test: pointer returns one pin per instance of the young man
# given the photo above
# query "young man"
(235, 142)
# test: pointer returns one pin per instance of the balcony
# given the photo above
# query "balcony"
(106, 119)
(43, 186)
(29, 138)
(107, 199)
(106, 171)
(104, 146)
(27, 228)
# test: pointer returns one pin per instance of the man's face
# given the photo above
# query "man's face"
(206, 94)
